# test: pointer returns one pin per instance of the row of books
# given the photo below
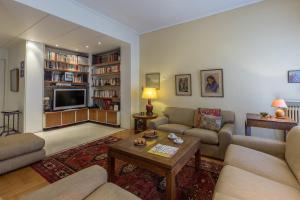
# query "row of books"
(106, 93)
(65, 66)
(65, 77)
(106, 70)
(106, 58)
(104, 82)
(68, 58)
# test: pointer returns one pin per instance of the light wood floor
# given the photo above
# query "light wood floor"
(15, 184)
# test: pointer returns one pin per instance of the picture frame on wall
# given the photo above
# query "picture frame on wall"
(183, 84)
(14, 80)
(69, 76)
(212, 84)
(294, 76)
(152, 80)
(22, 69)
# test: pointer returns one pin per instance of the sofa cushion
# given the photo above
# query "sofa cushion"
(184, 116)
(261, 164)
(110, 191)
(206, 136)
(292, 153)
(173, 128)
(219, 196)
(19, 144)
(74, 187)
(244, 185)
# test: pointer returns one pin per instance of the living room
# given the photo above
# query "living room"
(196, 100)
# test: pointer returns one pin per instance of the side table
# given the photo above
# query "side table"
(7, 129)
(255, 120)
(140, 121)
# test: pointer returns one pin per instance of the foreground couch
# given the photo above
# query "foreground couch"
(20, 150)
(258, 169)
(90, 184)
(181, 121)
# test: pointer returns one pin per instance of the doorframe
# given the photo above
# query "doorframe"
(3, 60)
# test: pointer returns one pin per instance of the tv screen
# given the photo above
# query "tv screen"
(69, 98)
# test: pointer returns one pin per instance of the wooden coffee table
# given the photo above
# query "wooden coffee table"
(169, 167)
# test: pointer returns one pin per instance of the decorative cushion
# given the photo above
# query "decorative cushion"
(205, 111)
(211, 122)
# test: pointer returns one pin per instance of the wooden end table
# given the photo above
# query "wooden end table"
(255, 120)
(169, 167)
(140, 121)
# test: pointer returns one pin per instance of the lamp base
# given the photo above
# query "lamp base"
(149, 108)
(279, 113)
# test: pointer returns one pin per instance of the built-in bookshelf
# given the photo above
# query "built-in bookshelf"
(105, 80)
(65, 68)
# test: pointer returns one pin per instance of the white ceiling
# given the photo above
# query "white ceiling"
(148, 15)
(21, 22)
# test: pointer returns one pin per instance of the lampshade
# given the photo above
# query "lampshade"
(279, 103)
(149, 93)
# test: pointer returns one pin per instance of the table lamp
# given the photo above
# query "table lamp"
(280, 105)
(149, 93)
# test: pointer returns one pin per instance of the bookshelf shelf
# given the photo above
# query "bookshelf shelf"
(107, 64)
(73, 83)
(107, 74)
(116, 99)
(65, 70)
(67, 63)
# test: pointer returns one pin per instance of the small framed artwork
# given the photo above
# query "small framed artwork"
(22, 69)
(294, 76)
(14, 80)
(69, 76)
(153, 80)
(183, 85)
(212, 84)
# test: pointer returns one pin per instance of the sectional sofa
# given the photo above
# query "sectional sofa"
(258, 169)
(181, 121)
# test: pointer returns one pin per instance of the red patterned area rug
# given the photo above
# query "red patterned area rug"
(191, 185)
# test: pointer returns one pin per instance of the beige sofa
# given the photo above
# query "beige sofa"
(89, 184)
(20, 150)
(261, 169)
(181, 121)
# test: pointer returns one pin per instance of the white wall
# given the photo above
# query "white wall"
(81, 15)
(15, 100)
(34, 85)
(255, 45)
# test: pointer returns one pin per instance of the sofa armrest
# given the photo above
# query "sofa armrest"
(76, 186)
(225, 135)
(154, 123)
(272, 147)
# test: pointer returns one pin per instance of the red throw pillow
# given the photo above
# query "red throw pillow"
(205, 111)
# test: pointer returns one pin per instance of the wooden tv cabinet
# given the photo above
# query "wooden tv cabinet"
(69, 117)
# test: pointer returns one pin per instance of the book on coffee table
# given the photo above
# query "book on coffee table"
(163, 150)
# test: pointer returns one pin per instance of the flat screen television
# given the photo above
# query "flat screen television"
(69, 98)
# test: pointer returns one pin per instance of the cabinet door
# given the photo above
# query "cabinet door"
(102, 116)
(68, 117)
(112, 117)
(93, 114)
(81, 115)
(52, 119)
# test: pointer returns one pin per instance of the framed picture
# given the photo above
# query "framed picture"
(294, 76)
(14, 80)
(22, 69)
(153, 80)
(69, 76)
(183, 84)
(212, 83)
